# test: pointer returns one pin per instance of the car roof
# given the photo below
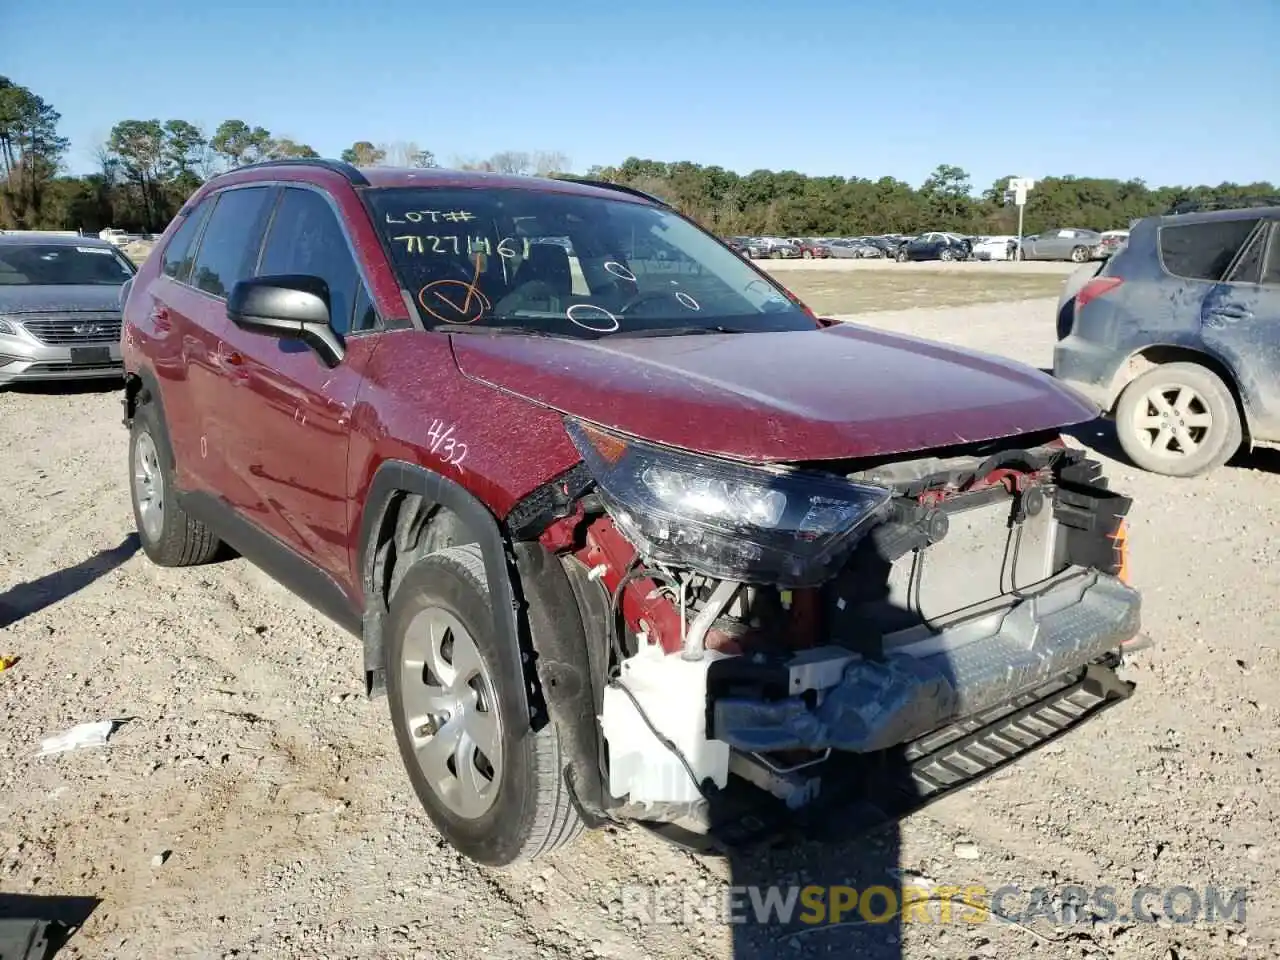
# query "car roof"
(432, 177)
(1236, 213)
(56, 239)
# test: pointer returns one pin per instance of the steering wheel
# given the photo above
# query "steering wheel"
(646, 296)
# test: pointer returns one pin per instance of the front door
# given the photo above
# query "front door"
(297, 466)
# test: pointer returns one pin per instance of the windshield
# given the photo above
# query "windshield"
(570, 265)
(61, 264)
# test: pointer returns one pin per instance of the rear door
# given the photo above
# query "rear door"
(298, 409)
(1240, 321)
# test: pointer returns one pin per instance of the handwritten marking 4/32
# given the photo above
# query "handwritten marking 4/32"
(445, 445)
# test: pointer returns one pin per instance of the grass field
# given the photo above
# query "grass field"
(863, 291)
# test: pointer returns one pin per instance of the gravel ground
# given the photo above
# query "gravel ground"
(253, 804)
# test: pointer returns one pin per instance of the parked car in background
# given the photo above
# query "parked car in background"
(1003, 247)
(1177, 336)
(1112, 240)
(744, 562)
(60, 307)
(855, 250)
(737, 244)
(773, 248)
(814, 249)
(114, 236)
(1072, 244)
(935, 246)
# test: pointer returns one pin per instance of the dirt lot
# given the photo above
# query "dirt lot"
(253, 805)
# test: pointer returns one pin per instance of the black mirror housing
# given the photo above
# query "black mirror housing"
(293, 307)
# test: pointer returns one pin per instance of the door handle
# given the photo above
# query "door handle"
(232, 361)
(160, 318)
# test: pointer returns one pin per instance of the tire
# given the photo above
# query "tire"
(901, 255)
(514, 805)
(946, 255)
(775, 254)
(1079, 254)
(1183, 448)
(169, 537)
(807, 255)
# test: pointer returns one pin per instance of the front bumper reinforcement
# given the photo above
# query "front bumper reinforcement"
(931, 677)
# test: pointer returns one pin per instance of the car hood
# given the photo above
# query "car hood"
(841, 392)
(59, 299)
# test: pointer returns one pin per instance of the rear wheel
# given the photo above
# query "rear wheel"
(169, 537)
(946, 254)
(490, 784)
(775, 254)
(1079, 254)
(901, 255)
(1179, 420)
(808, 255)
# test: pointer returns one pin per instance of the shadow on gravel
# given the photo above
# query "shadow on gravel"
(66, 388)
(841, 886)
(36, 928)
(34, 595)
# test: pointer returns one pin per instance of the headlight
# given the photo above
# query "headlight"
(7, 327)
(723, 519)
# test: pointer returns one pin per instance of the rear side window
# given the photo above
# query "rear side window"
(177, 259)
(1203, 251)
(230, 243)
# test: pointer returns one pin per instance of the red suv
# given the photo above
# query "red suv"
(627, 532)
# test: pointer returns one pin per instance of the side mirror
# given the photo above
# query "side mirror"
(289, 307)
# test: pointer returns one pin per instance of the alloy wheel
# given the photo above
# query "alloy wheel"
(1172, 421)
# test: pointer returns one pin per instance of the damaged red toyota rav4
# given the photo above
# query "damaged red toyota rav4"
(627, 532)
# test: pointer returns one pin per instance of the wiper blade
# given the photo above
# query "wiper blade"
(670, 332)
(519, 331)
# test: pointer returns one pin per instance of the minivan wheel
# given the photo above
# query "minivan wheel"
(169, 537)
(490, 784)
(1079, 255)
(1178, 419)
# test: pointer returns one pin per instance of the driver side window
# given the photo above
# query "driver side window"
(306, 238)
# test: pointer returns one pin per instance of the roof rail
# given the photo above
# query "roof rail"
(619, 187)
(353, 175)
(1235, 203)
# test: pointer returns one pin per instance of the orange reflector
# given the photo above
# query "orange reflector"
(610, 448)
(1121, 539)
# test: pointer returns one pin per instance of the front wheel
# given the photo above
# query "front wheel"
(1178, 419)
(1079, 255)
(490, 784)
(946, 255)
(901, 255)
(807, 255)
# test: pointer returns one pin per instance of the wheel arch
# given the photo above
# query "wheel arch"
(1154, 355)
(539, 608)
(139, 387)
(409, 512)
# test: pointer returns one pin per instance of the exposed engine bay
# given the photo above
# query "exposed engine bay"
(985, 574)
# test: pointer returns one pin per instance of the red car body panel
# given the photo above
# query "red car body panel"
(842, 392)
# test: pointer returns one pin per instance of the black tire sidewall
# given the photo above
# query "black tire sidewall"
(1220, 446)
(498, 836)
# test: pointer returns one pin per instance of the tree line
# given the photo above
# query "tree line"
(147, 168)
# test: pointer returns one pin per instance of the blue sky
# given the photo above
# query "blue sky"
(1172, 91)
